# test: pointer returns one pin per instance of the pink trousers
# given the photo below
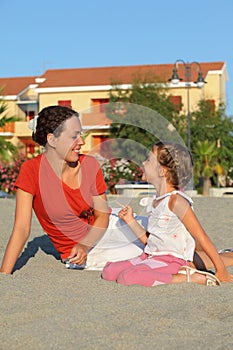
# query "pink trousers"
(144, 270)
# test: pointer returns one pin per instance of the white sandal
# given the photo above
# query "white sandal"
(226, 250)
(211, 280)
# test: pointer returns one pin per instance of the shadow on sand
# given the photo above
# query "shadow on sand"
(43, 243)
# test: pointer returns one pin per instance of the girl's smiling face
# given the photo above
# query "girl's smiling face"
(151, 167)
(154, 172)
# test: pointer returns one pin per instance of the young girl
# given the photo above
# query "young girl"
(172, 228)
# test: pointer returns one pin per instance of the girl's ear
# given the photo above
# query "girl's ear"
(51, 139)
(162, 171)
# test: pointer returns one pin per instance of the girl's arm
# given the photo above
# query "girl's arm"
(182, 209)
(126, 214)
(78, 254)
(21, 230)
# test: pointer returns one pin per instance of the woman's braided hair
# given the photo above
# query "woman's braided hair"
(51, 120)
(178, 162)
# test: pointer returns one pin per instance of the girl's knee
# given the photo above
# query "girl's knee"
(127, 277)
(112, 270)
(107, 273)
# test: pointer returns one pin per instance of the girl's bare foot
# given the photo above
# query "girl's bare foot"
(188, 274)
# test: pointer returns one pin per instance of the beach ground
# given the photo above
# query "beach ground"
(45, 306)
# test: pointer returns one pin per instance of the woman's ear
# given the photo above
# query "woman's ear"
(51, 139)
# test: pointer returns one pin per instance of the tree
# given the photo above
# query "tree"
(207, 155)
(141, 116)
(211, 125)
(7, 149)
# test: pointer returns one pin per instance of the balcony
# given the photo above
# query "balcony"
(8, 129)
(28, 100)
(95, 119)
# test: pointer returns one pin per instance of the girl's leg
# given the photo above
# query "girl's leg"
(112, 269)
(151, 272)
(191, 275)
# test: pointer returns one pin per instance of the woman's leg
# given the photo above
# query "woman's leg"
(226, 257)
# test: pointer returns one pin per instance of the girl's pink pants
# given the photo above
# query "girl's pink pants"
(144, 270)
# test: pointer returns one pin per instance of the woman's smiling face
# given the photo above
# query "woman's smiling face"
(70, 141)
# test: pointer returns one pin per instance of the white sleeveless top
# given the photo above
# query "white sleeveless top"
(168, 235)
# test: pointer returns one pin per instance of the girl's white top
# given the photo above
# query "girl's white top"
(168, 235)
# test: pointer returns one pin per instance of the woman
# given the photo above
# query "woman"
(65, 189)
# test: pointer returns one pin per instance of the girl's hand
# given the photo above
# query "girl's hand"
(126, 214)
(78, 254)
(224, 276)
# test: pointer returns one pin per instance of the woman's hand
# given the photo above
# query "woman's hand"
(78, 254)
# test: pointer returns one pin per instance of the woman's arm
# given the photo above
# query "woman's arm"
(78, 253)
(185, 213)
(20, 232)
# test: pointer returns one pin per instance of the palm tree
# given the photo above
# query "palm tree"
(7, 149)
(206, 159)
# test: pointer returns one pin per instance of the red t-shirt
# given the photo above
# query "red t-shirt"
(56, 205)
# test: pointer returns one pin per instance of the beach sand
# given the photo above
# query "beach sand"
(45, 306)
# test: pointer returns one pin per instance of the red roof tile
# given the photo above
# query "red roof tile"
(13, 86)
(103, 76)
(122, 74)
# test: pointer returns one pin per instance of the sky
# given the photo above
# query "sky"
(47, 34)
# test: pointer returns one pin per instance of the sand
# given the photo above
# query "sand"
(45, 306)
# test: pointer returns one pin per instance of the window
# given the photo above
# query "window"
(98, 139)
(30, 149)
(66, 103)
(101, 145)
(99, 104)
(177, 101)
(211, 103)
(29, 115)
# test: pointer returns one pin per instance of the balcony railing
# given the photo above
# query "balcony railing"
(97, 118)
(9, 127)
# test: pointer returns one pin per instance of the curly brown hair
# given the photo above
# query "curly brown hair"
(51, 120)
(177, 160)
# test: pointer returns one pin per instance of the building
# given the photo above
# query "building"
(87, 90)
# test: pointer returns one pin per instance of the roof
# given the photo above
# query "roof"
(13, 86)
(101, 76)
(120, 74)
